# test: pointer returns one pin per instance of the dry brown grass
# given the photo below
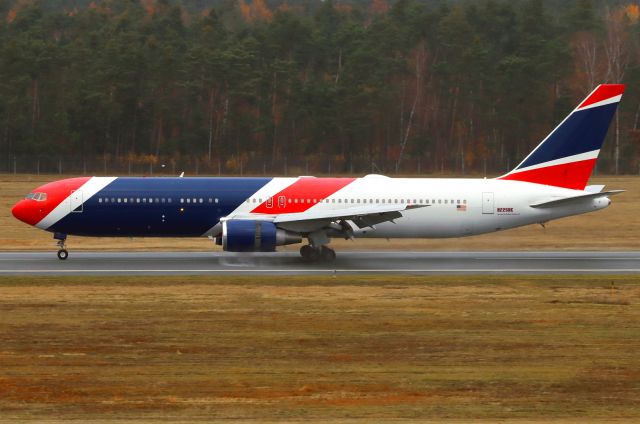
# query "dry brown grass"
(437, 349)
(615, 228)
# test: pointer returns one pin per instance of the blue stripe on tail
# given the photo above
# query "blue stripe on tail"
(583, 131)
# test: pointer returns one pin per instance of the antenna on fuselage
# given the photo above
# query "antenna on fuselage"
(181, 174)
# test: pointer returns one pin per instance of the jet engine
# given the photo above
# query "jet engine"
(243, 235)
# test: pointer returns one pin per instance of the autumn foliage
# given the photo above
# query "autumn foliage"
(331, 86)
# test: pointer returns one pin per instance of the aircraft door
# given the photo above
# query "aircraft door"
(487, 203)
(282, 202)
(76, 201)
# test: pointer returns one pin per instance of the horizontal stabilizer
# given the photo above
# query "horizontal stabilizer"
(573, 199)
(594, 188)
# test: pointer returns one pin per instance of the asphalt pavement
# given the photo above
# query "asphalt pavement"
(290, 263)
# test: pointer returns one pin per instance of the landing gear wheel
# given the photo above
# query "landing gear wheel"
(308, 253)
(63, 254)
(305, 251)
(327, 254)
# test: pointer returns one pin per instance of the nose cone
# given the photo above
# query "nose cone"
(26, 211)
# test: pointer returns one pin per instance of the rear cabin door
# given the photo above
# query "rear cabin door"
(76, 201)
(487, 203)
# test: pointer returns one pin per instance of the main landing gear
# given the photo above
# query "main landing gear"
(62, 252)
(315, 254)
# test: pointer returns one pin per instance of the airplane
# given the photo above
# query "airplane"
(260, 214)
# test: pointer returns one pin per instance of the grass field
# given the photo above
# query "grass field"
(439, 349)
(615, 228)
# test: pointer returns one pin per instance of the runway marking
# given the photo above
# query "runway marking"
(305, 270)
(555, 258)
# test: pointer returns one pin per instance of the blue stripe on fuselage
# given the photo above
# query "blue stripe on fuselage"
(152, 219)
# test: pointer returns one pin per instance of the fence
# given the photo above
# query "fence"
(192, 166)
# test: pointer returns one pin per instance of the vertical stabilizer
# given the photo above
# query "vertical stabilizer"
(566, 157)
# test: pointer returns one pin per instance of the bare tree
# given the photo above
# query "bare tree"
(616, 51)
(586, 48)
(421, 56)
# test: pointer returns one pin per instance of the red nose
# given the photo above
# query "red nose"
(27, 211)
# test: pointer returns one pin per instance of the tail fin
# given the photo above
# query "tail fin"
(566, 157)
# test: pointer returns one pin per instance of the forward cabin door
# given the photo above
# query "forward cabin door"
(487, 203)
(76, 201)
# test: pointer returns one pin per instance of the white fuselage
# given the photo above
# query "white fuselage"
(447, 207)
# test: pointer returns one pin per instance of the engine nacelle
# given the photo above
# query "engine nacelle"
(243, 235)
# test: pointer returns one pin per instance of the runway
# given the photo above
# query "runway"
(290, 263)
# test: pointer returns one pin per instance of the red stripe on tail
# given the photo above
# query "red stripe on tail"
(574, 175)
(603, 92)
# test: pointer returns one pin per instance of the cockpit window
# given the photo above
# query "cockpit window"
(40, 197)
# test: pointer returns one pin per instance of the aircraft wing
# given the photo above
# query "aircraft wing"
(362, 216)
(574, 199)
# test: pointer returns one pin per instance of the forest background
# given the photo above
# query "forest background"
(307, 86)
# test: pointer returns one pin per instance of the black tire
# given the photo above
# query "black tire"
(328, 255)
(63, 254)
(306, 251)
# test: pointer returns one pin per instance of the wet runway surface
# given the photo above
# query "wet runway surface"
(290, 263)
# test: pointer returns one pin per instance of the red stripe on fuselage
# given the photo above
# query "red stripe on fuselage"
(604, 92)
(301, 195)
(573, 175)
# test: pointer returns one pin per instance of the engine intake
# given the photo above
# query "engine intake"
(243, 235)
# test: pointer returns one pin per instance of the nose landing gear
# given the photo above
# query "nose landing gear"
(62, 252)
